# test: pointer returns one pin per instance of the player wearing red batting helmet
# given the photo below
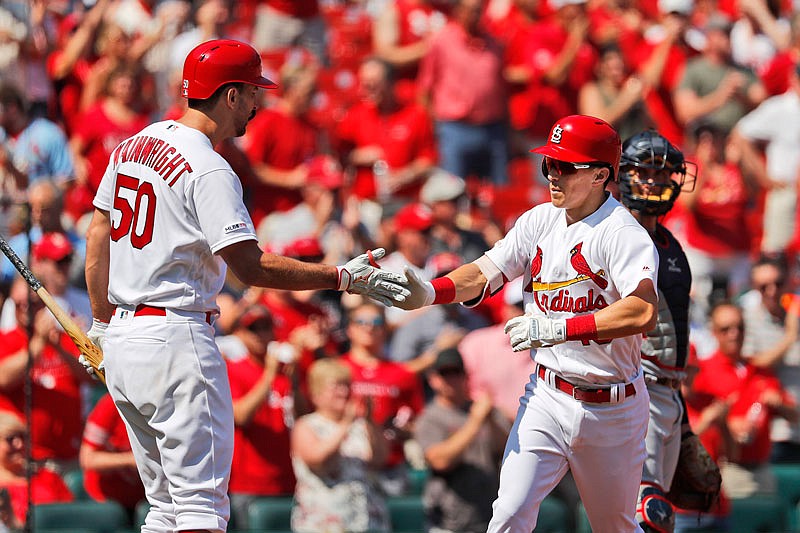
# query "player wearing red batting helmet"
(585, 140)
(589, 277)
(212, 64)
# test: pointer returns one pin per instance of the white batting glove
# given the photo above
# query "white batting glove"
(421, 292)
(97, 335)
(362, 275)
(89, 368)
(528, 332)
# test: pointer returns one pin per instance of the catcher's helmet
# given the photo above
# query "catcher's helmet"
(214, 63)
(648, 194)
(583, 139)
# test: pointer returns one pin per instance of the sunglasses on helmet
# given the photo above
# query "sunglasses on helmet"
(563, 168)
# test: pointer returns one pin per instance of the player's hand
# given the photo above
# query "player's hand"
(89, 368)
(363, 275)
(97, 333)
(421, 293)
(528, 332)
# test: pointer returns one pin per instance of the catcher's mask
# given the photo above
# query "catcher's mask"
(652, 173)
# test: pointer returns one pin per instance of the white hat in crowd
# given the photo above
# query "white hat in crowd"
(442, 186)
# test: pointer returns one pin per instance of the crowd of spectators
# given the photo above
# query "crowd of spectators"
(404, 124)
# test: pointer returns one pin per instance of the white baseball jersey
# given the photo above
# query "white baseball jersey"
(173, 203)
(576, 269)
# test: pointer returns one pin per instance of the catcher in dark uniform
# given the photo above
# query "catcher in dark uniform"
(652, 175)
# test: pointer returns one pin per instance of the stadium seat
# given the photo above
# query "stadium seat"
(139, 516)
(89, 516)
(788, 477)
(758, 514)
(553, 516)
(271, 514)
(417, 480)
(407, 514)
(74, 481)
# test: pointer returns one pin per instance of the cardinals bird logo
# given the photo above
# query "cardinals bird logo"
(582, 267)
(536, 267)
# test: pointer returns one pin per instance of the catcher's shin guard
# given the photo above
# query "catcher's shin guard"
(654, 512)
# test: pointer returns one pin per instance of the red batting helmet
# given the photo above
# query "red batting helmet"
(583, 139)
(214, 63)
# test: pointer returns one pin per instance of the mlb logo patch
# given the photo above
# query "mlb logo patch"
(233, 227)
(555, 137)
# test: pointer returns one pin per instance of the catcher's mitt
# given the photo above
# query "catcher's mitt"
(697, 479)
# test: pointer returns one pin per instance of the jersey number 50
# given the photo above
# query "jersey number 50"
(141, 230)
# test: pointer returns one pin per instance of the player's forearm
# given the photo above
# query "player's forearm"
(261, 269)
(636, 313)
(469, 282)
(12, 370)
(97, 262)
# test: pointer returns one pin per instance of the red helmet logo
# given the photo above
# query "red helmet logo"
(214, 63)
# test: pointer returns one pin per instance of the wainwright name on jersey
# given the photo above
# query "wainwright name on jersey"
(186, 203)
(575, 269)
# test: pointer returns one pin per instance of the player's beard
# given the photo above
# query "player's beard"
(240, 130)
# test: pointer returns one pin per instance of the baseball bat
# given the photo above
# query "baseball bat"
(89, 349)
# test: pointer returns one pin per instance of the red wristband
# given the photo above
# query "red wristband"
(444, 290)
(582, 328)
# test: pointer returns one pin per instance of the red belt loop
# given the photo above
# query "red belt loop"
(583, 394)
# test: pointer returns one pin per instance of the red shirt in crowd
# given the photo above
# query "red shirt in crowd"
(349, 33)
(99, 134)
(718, 378)
(717, 222)
(463, 74)
(282, 141)
(416, 20)
(69, 88)
(56, 423)
(303, 9)
(405, 135)
(537, 47)
(637, 51)
(262, 465)
(46, 487)
(393, 390)
(105, 431)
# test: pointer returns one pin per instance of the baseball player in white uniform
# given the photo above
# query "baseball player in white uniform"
(168, 220)
(652, 174)
(589, 277)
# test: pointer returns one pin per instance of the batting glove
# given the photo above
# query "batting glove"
(421, 294)
(362, 275)
(97, 335)
(528, 332)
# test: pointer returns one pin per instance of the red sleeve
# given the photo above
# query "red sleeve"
(101, 420)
